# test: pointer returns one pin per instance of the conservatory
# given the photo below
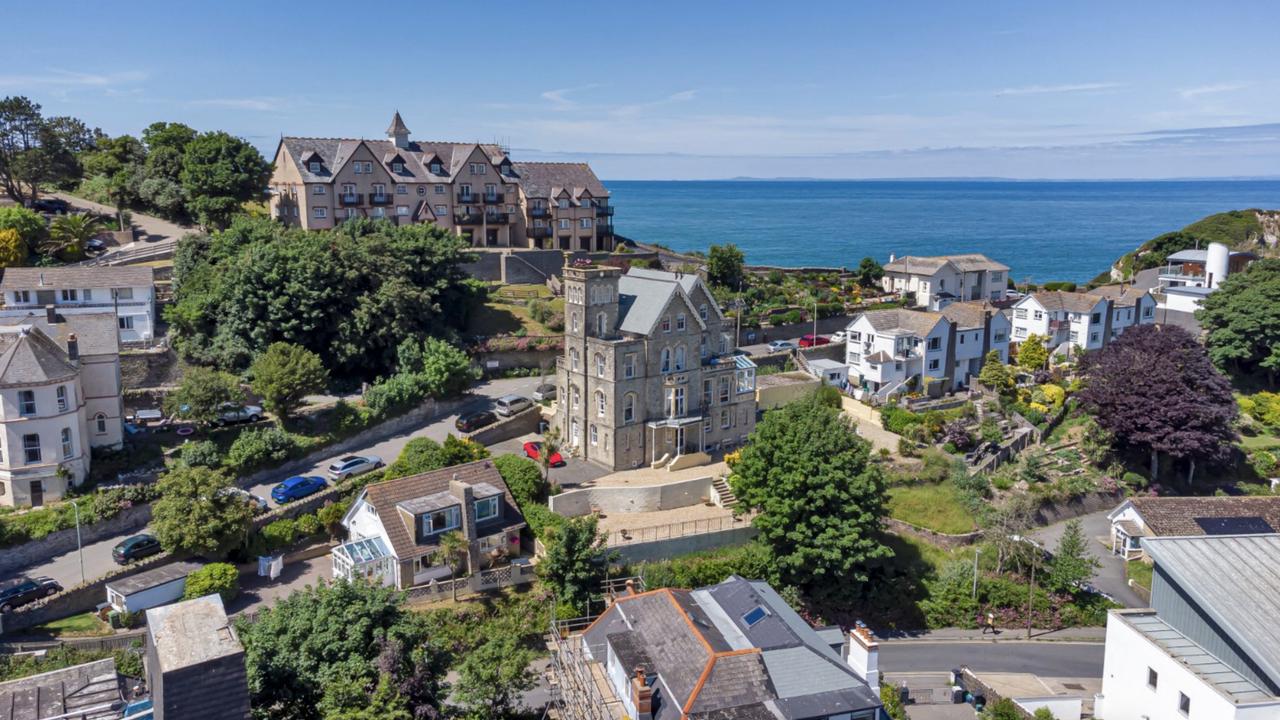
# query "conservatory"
(366, 558)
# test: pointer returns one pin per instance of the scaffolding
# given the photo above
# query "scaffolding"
(579, 688)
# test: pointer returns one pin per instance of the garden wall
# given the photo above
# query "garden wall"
(522, 423)
(664, 549)
(645, 498)
(18, 557)
(1052, 512)
(900, 527)
(492, 362)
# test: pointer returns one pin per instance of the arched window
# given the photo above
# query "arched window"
(629, 408)
(679, 357)
(100, 423)
(602, 321)
(600, 403)
(574, 358)
(666, 359)
(599, 365)
(577, 397)
(595, 436)
(576, 321)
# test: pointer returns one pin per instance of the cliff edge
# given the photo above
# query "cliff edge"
(1254, 230)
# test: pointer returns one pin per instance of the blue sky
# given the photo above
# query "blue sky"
(692, 89)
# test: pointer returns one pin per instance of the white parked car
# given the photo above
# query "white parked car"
(343, 468)
(509, 405)
(839, 336)
(782, 345)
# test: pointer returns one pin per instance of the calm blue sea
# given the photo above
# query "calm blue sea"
(1043, 230)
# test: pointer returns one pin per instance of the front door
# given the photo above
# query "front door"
(37, 493)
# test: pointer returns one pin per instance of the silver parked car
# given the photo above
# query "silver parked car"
(343, 468)
(545, 391)
(509, 405)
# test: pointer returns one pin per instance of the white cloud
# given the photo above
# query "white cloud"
(68, 78)
(1189, 93)
(558, 98)
(632, 109)
(1058, 89)
(260, 104)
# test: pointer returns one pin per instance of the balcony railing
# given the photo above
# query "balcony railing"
(494, 198)
(604, 211)
(379, 198)
(539, 212)
(539, 233)
(489, 218)
(350, 199)
(468, 198)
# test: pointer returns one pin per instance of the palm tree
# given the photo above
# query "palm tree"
(70, 233)
(454, 549)
(550, 446)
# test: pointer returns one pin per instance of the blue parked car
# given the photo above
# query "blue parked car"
(297, 487)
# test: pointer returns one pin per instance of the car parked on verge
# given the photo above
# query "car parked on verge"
(350, 465)
(297, 487)
(546, 391)
(259, 504)
(509, 405)
(239, 413)
(811, 340)
(781, 346)
(20, 591)
(135, 548)
(533, 451)
(474, 421)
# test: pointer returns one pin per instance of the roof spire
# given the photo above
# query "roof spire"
(397, 126)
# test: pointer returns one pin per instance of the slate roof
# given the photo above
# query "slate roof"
(1122, 295)
(546, 179)
(385, 496)
(644, 294)
(1185, 516)
(971, 262)
(712, 664)
(1055, 300)
(68, 690)
(96, 333)
(29, 357)
(198, 670)
(1235, 581)
(916, 322)
(334, 153)
(153, 578)
(55, 278)
(970, 314)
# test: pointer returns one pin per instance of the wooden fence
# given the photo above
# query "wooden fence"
(483, 581)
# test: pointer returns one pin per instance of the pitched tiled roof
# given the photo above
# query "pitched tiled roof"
(917, 322)
(334, 153)
(971, 262)
(1173, 516)
(1066, 301)
(970, 314)
(56, 278)
(96, 333)
(644, 294)
(385, 496)
(29, 357)
(1121, 295)
(546, 179)
(397, 125)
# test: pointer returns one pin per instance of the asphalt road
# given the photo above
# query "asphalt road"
(1044, 658)
(65, 568)
(1110, 576)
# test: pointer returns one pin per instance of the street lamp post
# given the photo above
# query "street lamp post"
(976, 553)
(1031, 588)
(79, 545)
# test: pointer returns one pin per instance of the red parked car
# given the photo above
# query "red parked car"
(533, 450)
(812, 340)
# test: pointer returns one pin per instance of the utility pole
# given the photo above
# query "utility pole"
(1031, 588)
(79, 545)
(975, 573)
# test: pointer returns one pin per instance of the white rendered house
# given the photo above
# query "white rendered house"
(938, 281)
(59, 397)
(127, 291)
(890, 351)
(980, 328)
(1080, 321)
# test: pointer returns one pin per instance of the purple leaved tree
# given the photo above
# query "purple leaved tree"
(1155, 389)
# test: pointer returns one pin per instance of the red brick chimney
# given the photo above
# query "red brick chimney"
(642, 695)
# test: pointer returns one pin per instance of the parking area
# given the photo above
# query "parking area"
(576, 471)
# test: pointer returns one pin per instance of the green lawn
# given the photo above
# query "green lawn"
(82, 625)
(936, 507)
(498, 318)
(1140, 572)
(1260, 442)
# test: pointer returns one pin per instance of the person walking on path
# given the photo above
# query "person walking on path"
(990, 624)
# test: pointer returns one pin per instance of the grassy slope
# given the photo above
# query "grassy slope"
(936, 507)
(1236, 229)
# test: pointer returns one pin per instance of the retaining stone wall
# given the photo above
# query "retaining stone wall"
(646, 498)
(663, 549)
(78, 599)
(18, 557)
(522, 423)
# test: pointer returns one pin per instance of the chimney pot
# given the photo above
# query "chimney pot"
(51, 314)
(73, 347)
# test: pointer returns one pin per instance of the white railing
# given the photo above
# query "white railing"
(670, 531)
(485, 580)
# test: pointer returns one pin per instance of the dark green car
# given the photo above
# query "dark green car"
(135, 548)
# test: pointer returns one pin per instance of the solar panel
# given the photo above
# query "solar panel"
(1234, 525)
(755, 615)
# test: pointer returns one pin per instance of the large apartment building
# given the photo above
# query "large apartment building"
(938, 281)
(473, 189)
(647, 376)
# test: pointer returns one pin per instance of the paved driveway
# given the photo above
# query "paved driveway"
(65, 568)
(1110, 577)
(1040, 657)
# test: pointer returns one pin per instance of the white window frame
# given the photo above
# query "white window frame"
(451, 514)
(31, 452)
(487, 503)
(318, 190)
(402, 189)
(601, 403)
(320, 213)
(61, 394)
(27, 398)
(68, 446)
(313, 166)
(100, 423)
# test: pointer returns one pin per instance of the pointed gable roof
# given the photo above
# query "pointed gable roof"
(643, 295)
(29, 357)
(397, 126)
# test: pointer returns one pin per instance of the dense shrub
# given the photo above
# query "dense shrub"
(258, 447)
(202, 453)
(279, 534)
(31, 228)
(706, 568)
(221, 578)
(523, 477)
(17, 528)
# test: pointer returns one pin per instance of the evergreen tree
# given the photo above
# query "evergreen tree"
(1072, 565)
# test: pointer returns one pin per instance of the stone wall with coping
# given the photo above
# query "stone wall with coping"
(18, 557)
(625, 499)
(522, 423)
(664, 549)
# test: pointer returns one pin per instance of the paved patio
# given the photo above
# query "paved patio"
(650, 476)
(688, 520)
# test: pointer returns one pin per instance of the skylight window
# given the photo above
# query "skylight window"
(755, 615)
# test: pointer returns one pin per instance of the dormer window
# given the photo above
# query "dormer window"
(397, 167)
(313, 166)
(436, 168)
(486, 508)
(449, 518)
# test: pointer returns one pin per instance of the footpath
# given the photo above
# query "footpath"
(1005, 635)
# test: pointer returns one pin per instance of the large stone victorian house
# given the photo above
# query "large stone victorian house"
(647, 376)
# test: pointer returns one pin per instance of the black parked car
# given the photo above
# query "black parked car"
(135, 548)
(476, 420)
(21, 591)
(51, 205)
